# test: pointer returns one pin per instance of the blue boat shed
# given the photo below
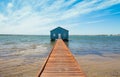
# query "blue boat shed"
(59, 33)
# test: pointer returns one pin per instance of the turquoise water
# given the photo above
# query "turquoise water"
(24, 46)
(98, 45)
(36, 46)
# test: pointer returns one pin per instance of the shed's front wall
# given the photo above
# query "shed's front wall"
(55, 34)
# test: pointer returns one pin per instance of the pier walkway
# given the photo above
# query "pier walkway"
(61, 63)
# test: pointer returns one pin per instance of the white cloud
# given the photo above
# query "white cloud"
(10, 5)
(2, 17)
(35, 16)
(96, 21)
(86, 7)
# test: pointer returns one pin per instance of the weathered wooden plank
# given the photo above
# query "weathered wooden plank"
(61, 63)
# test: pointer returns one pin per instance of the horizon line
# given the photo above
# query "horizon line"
(69, 35)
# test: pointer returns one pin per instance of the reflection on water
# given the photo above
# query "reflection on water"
(67, 43)
(52, 43)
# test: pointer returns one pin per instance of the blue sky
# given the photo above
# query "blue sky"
(80, 17)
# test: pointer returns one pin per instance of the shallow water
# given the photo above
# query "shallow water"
(27, 46)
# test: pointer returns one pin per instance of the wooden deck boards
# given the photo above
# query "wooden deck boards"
(61, 63)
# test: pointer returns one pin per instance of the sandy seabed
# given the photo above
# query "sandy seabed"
(20, 68)
(107, 65)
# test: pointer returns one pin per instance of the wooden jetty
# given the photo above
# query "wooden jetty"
(61, 63)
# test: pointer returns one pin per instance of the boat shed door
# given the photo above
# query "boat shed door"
(59, 36)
